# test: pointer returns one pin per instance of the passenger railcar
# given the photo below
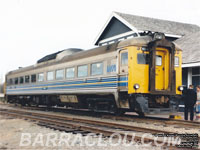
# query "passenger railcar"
(142, 74)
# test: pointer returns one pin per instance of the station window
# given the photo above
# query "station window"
(41, 77)
(27, 79)
(16, 80)
(83, 71)
(143, 58)
(50, 75)
(176, 61)
(196, 76)
(124, 58)
(33, 78)
(97, 69)
(70, 72)
(158, 60)
(196, 71)
(21, 80)
(59, 74)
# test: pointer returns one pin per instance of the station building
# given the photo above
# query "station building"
(120, 26)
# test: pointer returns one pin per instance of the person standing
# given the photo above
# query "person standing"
(198, 103)
(190, 99)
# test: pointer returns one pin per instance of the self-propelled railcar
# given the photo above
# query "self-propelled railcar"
(142, 75)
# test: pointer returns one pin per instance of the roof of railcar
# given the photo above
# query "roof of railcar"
(137, 41)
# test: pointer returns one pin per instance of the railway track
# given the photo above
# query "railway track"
(163, 121)
(82, 125)
(130, 118)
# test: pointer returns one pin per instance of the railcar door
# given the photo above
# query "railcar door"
(162, 70)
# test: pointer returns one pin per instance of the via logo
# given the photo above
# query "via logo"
(111, 68)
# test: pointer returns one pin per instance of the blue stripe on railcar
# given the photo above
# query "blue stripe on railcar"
(70, 85)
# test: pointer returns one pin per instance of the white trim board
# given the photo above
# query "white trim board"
(120, 19)
(191, 65)
(117, 37)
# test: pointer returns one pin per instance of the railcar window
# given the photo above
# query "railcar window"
(50, 75)
(158, 60)
(176, 62)
(27, 79)
(21, 80)
(82, 71)
(124, 58)
(70, 72)
(143, 58)
(33, 78)
(16, 80)
(10, 82)
(97, 69)
(59, 74)
(41, 77)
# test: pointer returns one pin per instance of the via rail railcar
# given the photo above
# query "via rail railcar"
(142, 75)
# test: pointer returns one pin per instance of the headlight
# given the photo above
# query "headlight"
(159, 36)
(180, 88)
(136, 86)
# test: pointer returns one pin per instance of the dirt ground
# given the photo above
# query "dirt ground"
(13, 131)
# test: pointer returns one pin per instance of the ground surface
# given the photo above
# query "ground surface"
(11, 131)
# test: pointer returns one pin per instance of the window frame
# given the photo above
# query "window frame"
(16, 79)
(78, 71)
(63, 74)
(28, 78)
(121, 58)
(176, 65)
(160, 61)
(33, 81)
(53, 75)
(21, 80)
(147, 61)
(66, 72)
(11, 81)
(38, 75)
(101, 67)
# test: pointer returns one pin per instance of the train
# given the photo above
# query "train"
(141, 74)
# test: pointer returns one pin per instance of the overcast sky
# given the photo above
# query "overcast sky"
(31, 29)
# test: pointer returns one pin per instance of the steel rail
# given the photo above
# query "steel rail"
(91, 127)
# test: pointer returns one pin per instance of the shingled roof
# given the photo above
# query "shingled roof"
(190, 44)
(158, 25)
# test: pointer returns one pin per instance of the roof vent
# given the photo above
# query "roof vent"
(59, 55)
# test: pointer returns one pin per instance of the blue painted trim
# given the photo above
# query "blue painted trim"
(62, 85)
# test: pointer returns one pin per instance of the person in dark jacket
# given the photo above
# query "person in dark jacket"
(190, 99)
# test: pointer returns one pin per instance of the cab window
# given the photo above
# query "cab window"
(158, 60)
(176, 61)
(124, 58)
(143, 58)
